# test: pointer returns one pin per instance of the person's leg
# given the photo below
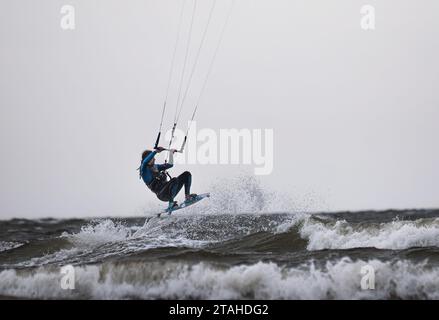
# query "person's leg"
(174, 186)
(186, 179)
(174, 189)
(167, 192)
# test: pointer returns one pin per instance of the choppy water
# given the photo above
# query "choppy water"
(199, 254)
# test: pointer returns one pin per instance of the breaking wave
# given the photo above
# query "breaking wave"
(5, 245)
(99, 232)
(102, 239)
(335, 280)
(395, 235)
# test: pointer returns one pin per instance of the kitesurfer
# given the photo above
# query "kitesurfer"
(155, 177)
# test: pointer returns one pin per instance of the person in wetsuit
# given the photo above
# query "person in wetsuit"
(156, 178)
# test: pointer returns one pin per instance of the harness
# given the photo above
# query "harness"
(159, 181)
(160, 178)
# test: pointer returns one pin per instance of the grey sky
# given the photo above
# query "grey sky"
(355, 113)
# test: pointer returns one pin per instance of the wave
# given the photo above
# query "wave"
(99, 232)
(395, 235)
(103, 239)
(335, 280)
(260, 235)
(7, 245)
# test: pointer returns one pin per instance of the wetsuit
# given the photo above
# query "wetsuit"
(156, 179)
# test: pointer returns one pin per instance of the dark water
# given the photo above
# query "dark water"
(225, 256)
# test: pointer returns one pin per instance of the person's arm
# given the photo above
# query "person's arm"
(170, 163)
(148, 159)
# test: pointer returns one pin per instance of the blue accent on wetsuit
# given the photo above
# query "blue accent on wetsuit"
(145, 170)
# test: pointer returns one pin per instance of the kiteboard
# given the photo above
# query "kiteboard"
(185, 204)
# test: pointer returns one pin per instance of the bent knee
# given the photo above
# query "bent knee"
(187, 174)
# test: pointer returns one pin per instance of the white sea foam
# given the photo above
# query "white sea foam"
(395, 235)
(99, 232)
(7, 245)
(104, 238)
(245, 193)
(336, 280)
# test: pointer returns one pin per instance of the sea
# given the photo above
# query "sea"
(222, 249)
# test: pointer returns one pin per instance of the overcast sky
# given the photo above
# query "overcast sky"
(355, 113)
